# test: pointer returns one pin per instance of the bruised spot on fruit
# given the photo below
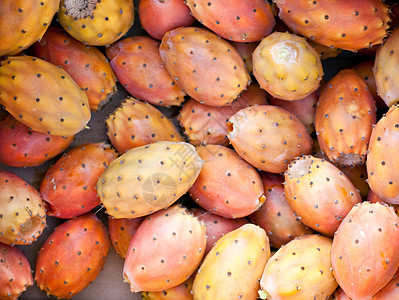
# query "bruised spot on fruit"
(300, 168)
(349, 159)
(29, 227)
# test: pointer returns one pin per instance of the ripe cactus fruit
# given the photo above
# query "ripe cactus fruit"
(286, 66)
(23, 147)
(381, 165)
(87, 65)
(135, 123)
(358, 176)
(245, 50)
(359, 24)
(179, 292)
(344, 118)
(275, 216)
(23, 23)
(319, 193)
(166, 249)
(268, 137)
(204, 124)
(159, 16)
(390, 291)
(325, 51)
(138, 65)
(69, 186)
(207, 68)
(42, 96)
(233, 267)
(239, 21)
(15, 272)
(121, 232)
(96, 23)
(385, 63)
(227, 185)
(306, 265)
(72, 256)
(22, 214)
(364, 250)
(148, 178)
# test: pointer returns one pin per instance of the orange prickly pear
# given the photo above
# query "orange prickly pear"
(179, 292)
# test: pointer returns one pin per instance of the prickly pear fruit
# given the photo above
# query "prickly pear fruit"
(240, 21)
(245, 50)
(69, 186)
(204, 124)
(138, 65)
(275, 216)
(381, 165)
(135, 123)
(325, 51)
(166, 249)
(340, 295)
(216, 226)
(179, 292)
(121, 232)
(72, 256)
(227, 185)
(344, 118)
(390, 291)
(96, 23)
(359, 24)
(233, 267)
(87, 65)
(268, 137)
(306, 265)
(23, 147)
(24, 22)
(148, 178)
(358, 176)
(22, 214)
(385, 63)
(207, 68)
(319, 193)
(286, 66)
(15, 272)
(42, 96)
(158, 17)
(364, 250)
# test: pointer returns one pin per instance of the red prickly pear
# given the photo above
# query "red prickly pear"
(22, 213)
(15, 272)
(358, 176)
(390, 291)
(179, 292)
(364, 250)
(324, 51)
(166, 249)
(207, 68)
(68, 187)
(23, 147)
(245, 50)
(340, 295)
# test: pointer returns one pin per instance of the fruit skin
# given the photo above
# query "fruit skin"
(275, 216)
(207, 68)
(135, 123)
(148, 178)
(166, 249)
(359, 24)
(358, 176)
(384, 69)
(204, 124)
(42, 96)
(158, 17)
(15, 272)
(239, 21)
(23, 147)
(72, 256)
(121, 232)
(23, 23)
(87, 65)
(306, 265)
(319, 193)
(138, 65)
(69, 186)
(381, 165)
(364, 250)
(22, 214)
(344, 118)
(227, 185)
(232, 268)
(245, 50)
(286, 66)
(179, 292)
(268, 137)
(96, 23)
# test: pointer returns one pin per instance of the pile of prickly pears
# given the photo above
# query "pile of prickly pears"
(199, 149)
